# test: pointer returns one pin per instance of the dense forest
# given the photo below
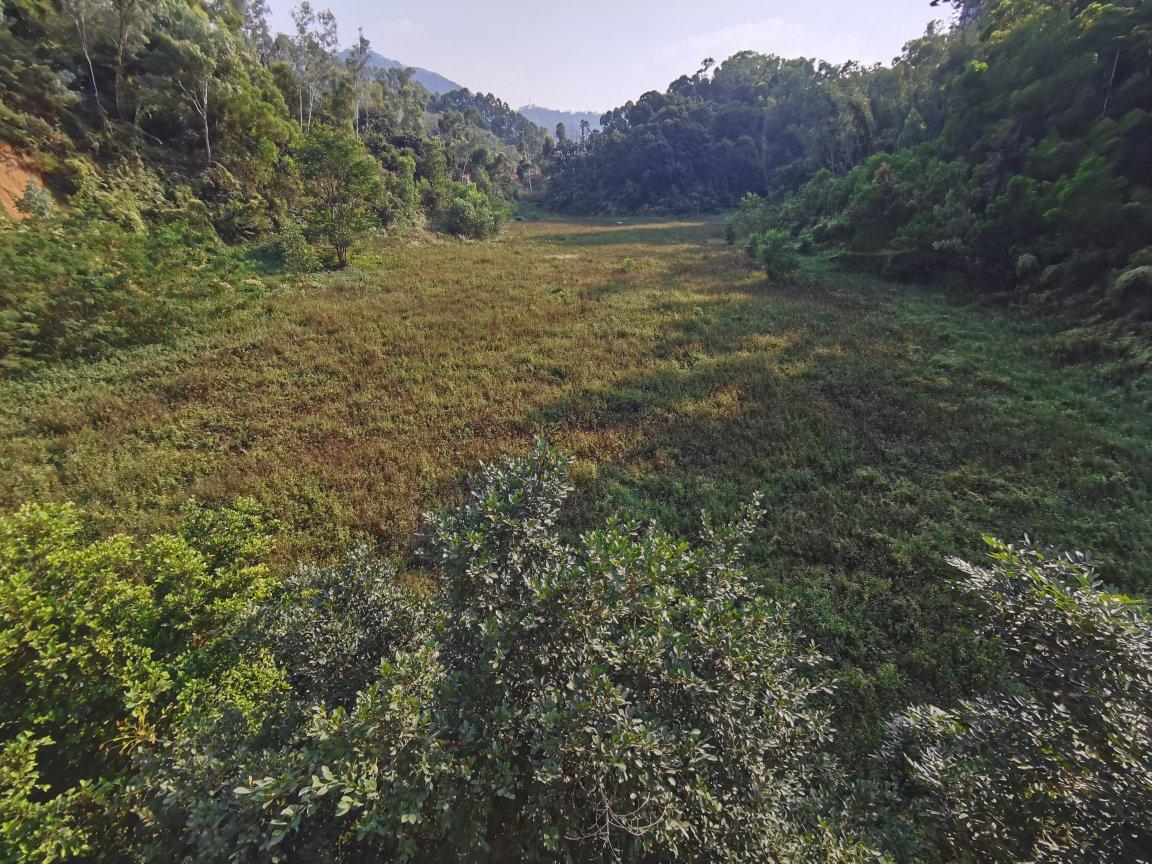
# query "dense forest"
(358, 508)
(1011, 150)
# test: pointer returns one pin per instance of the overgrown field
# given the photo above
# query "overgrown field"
(885, 426)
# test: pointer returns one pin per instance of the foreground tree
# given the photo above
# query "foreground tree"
(627, 696)
(1059, 767)
(343, 186)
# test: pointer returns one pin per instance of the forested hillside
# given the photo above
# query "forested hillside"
(189, 127)
(356, 508)
(1011, 150)
(521, 136)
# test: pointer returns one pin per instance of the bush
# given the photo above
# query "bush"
(1133, 290)
(1056, 768)
(473, 214)
(623, 695)
(298, 254)
(35, 824)
(330, 627)
(99, 639)
(36, 201)
(79, 287)
(775, 252)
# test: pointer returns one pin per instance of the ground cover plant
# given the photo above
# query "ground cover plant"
(885, 426)
(355, 508)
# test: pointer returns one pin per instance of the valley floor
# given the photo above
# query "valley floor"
(887, 427)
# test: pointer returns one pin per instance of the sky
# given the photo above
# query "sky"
(598, 54)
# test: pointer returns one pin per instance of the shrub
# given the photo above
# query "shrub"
(625, 694)
(473, 214)
(1133, 289)
(99, 637)
(1056, 768)
(298, 254)
(127, 194)
(79, 287)
(1026, 266)
(775, 252)
(330, 627)
(41, 824)
(237, 213)
(36, 202)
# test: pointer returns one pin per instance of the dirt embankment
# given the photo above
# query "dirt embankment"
(14, 177)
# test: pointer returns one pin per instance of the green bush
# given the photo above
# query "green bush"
(79, 287)
(625, 694)
(1133, 290)
(775, 252)
(298, 254)
(330, 627)
(100, 640)
(37, 825)
(36, 201)
(473, 214)
(1054, 769)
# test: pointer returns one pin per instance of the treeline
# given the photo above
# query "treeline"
(145, 120)
(1011, 149)
(619, 694)
(751, 124)
(204, 96)
(492, 114)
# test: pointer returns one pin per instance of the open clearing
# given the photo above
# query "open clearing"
(885, 426)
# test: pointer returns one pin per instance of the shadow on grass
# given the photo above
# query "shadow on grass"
(884, 435)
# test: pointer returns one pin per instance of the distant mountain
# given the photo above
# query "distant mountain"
(433, 82)
(548, 118)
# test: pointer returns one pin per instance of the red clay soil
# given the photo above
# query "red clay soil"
(14, 178)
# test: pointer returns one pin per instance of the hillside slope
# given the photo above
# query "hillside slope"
(14, 178)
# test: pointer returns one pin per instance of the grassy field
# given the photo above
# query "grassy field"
(886, 426)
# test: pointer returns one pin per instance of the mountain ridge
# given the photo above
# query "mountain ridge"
(433, 82)
(438, 85)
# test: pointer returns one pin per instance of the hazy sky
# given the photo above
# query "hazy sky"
(597, 54)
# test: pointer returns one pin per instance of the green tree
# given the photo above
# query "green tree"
(1056, 768)
(625, 696)
(342, 185)
(189, 63)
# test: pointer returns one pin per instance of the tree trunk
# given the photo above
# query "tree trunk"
(121, 47)
(204, 117)
(92, 77)
(1111, 81)
(82, 32)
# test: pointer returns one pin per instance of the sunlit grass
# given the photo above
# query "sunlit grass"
(886, 426)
